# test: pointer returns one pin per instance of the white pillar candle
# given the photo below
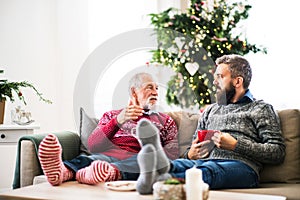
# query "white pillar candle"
(193, 184)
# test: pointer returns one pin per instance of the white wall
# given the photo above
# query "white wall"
(44, 42)
(72, 50)
(28, 52)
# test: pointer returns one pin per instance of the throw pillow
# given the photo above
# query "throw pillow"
(186, 123)
(86, 127)
(288, 171)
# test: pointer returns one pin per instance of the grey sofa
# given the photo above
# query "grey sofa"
(282, 179)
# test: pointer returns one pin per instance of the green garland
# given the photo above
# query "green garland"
(7, 88)
(190, 42)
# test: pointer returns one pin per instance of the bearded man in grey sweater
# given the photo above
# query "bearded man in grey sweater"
(247, 135)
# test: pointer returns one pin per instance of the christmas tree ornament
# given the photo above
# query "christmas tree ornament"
(192, 68)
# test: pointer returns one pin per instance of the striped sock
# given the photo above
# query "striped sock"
(50, 158)
(98, 171)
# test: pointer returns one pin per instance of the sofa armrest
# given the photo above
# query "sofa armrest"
(27, 163)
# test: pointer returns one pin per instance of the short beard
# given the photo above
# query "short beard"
(225, 95)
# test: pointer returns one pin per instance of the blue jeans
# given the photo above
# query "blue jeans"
(218, 173)
(128, 168)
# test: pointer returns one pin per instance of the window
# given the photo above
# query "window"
(275, 77)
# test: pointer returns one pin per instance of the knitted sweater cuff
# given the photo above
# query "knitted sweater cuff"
(240, 146)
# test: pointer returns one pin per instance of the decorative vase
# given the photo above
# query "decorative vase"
(2, 110)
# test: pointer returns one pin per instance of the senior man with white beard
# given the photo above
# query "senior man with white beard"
(113, 144)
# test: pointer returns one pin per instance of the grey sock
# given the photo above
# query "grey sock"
(163, 177)
(148, 133)
(147, 162)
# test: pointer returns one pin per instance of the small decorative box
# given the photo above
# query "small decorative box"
(171, 189)
(174, 189)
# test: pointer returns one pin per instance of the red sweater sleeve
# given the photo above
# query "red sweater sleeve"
(100, 138)
(169, 136)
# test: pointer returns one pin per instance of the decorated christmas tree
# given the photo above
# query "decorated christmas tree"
(190, 42)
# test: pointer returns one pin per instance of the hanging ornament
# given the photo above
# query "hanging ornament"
(192, 68)
(179, 42)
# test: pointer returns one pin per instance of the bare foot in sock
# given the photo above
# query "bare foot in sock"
(147, 162)
(51, 162)
(97, 172)
(148, 133)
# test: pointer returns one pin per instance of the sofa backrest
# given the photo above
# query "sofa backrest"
(287, 172)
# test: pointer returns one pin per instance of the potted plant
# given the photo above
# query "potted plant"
(7, 88)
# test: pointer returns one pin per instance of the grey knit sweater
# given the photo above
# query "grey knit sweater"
(256, 127)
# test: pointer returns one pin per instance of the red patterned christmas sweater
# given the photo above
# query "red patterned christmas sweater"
(118, 141)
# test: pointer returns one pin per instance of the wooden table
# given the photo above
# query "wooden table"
(74, 190)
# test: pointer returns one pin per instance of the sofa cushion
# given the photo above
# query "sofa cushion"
(186, 123)
(288, 171)
(86, 127)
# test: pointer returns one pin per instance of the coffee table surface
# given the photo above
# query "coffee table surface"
(74, 190)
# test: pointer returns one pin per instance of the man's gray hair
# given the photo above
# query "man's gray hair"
(137, 80)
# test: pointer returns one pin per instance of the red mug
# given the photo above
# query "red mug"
(205, 134)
